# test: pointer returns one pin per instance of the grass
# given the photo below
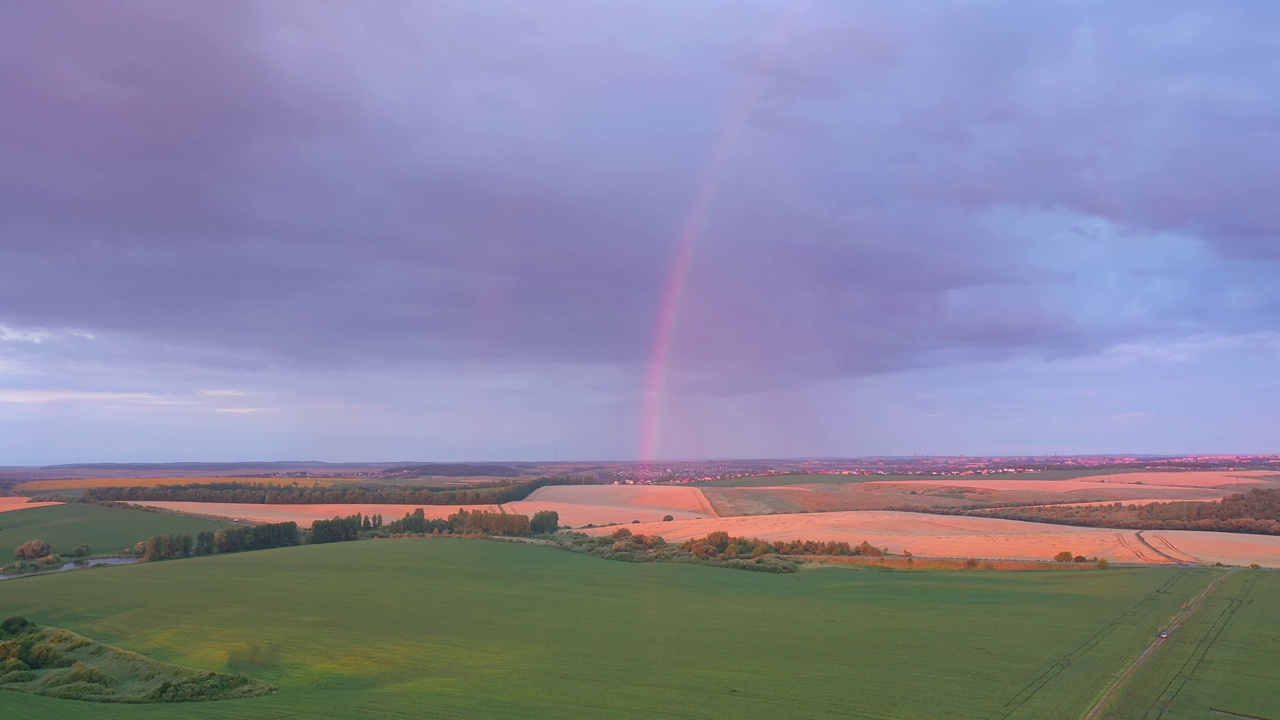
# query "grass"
(103, 529)
(470, 629)
(1226, 658)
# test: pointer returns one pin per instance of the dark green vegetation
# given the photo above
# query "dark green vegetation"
(717, 548)
(234, 492)
(226, 540)
(466, 629)
(103, 529)
(1256, 511)
(807, 479)
(455, 470)
(1225, 658)
(61, 664)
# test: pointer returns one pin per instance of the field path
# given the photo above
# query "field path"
(1191, 607)
(1161, 553)
(1123, 539)
(706, 505)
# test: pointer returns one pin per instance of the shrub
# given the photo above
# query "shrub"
(1064, 556)
(16, 626)
(1255, 566)
(667, 518)
(970, 563)
(44, 655)
(1103, 564)
(17, 676)
(1080, 559)
(32, 549)
(77, 673)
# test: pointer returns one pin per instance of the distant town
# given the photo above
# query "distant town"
(664, 472)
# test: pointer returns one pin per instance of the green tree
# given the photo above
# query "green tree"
(155, 548)
(206, 543)
(1064, 556)
(544, 522)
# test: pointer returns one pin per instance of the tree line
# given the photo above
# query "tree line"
(1256, 512)
(277, 494)
(226, 540)
(717, 548)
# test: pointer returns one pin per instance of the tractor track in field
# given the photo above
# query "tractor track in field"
(1127, 673)
(1192, 663)
(1028, 692)
(1158, 551)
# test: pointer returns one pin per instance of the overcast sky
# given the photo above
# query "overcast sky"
(656, 229)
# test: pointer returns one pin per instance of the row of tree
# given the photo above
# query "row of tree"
(275, 494)
(339, 529)
(226, 540)
(721, 544)
(1256, 512)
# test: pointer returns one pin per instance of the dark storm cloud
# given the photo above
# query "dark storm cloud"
(350, 184)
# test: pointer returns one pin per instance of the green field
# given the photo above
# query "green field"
(1225, 658)
(103, 529)
(472, 629)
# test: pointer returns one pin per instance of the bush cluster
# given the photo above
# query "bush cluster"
(718, 549)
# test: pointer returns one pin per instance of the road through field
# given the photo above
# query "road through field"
(1192, 606)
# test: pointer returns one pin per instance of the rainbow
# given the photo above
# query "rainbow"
(691, 230)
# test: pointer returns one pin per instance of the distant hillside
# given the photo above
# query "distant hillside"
(455, 470)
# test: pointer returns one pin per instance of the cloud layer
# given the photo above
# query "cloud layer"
(317, 200)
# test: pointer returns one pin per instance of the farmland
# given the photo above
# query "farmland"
(451, 628)
(826, 493)
(577, 505)
(103, 529)
(980, 537)
(55, 486)
(1225, 658)
(829, 478)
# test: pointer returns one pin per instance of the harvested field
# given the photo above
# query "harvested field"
(1212, 547)
(955, 536)
(577, 505)
(21, 503)
(83, 483)
(580, 505)
(926, 493)
(304, 515)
